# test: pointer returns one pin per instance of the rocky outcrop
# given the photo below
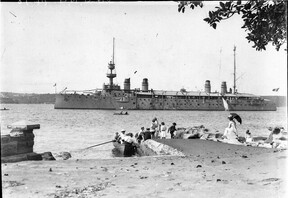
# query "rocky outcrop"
(151, 147)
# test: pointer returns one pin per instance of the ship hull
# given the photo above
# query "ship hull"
(132, 101)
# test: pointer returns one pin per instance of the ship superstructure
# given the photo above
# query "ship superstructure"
(113, 97)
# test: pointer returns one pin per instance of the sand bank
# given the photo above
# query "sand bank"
(209, 169)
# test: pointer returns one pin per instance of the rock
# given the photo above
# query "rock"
(63, 155)
(34, 156)
(47, 156)
(223, 162)
(198, 166)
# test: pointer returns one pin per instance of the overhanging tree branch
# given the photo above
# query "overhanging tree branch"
(264, 21)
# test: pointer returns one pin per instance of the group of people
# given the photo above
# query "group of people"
(274, 140)
(156, 130)
(160, 130)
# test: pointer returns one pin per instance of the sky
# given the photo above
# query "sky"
(70, 44)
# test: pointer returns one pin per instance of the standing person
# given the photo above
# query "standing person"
(230, 134)
(163, 129)
(129, 143)
(231, 131)
(140, 135)
(154, 127)
(172, 129)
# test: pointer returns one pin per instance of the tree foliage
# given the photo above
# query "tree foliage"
(264, 21)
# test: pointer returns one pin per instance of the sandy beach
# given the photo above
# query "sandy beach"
(209, 169)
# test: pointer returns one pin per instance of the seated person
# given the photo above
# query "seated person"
(147, 134)
(274, 140)
(248, 137)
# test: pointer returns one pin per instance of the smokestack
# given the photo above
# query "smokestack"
(127, 85)
(145, 85)
(223, 88)
(207, 86)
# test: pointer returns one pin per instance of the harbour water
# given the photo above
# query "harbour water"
(72, 130)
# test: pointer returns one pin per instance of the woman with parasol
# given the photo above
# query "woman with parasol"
(230, 133)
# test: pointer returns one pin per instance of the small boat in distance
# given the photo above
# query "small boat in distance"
(4, 109)
(121, 113)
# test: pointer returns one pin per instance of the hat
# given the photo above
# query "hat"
(123, 130)
(148, 129)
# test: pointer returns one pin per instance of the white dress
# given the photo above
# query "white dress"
(163, 130)
(230, 133)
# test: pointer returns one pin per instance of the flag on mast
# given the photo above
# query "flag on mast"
(54, 85)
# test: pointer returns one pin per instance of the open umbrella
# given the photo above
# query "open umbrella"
(236, 117)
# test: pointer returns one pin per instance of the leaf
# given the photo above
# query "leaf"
(228, 4)
(207, 20)
(183, 10)
(201, 4)
(210, 14)
(214, 25)
(179, 8)
(247, 6)
(222, 4)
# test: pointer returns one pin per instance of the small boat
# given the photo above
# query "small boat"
(121, 113)
(4, 109)
(118, 150)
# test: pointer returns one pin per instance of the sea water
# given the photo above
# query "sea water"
(74, 130)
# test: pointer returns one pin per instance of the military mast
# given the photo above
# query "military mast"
(111, 67)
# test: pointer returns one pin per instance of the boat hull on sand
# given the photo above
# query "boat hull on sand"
(118, 150)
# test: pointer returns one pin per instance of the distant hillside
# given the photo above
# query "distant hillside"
(20, 98)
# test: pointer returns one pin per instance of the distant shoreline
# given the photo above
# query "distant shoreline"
(48, 98)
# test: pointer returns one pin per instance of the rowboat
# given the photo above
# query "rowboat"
(118, 150)
(121, 113)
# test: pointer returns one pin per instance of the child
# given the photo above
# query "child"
(248, 137)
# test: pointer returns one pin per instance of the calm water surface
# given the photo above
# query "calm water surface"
(71, 130)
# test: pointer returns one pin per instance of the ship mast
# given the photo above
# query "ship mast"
(111, 67)
(234, 74)
(113, 50)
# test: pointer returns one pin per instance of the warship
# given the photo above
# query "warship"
(112, 97)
